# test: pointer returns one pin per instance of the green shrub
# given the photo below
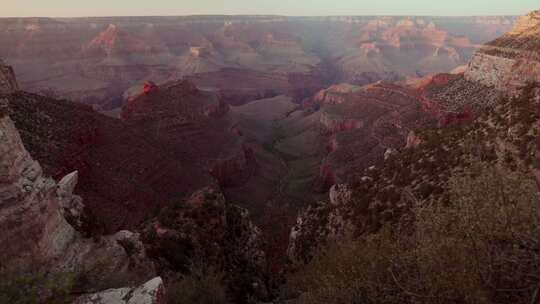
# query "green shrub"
(26, 281)
(201, 286)
(484, 247)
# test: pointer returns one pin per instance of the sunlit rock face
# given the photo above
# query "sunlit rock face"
(511, 61)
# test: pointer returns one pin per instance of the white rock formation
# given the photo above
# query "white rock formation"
(152, 292)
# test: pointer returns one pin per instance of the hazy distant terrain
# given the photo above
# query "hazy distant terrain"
(99, 60)
(270, 159)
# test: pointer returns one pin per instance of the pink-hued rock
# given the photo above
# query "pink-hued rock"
(149, 86)
(413, 140)
(39, 218)
(362, 123)
(335, 124)
(511, 61)
(335, 94)
(504, 74)
(31, 215)
(196, 122)
(97, 59)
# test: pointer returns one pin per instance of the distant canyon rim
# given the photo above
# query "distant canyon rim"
(270, 108)
(104, 61)
(140, 145)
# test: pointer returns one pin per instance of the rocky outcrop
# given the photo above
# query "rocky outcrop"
(39, 217)
(413, 140)
(320, 222)
(195, 123)
(31, 213)
(72, 205)
(124, 173)
(446, 96)
(363, 123)
(237, 86)
(504, 135)
(151, 292)
(335, 94)
(172, 107)
(512, 61)
(205, 227)
(8, 83)
(504, 74)
(333, 124)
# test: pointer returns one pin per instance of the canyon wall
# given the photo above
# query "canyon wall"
(98, 60)
(41, 218)
(31, 209)
(512, 61)
(484, 128)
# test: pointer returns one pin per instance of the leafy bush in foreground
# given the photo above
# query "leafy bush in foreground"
(484, 247)
(201, 286)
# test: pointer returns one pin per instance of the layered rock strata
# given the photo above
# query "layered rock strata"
(512, 61)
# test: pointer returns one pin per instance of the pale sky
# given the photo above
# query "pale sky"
(77, 8)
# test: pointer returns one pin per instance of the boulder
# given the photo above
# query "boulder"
(151, 292)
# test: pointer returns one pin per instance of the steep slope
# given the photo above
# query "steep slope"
(118, 166)
(196, 127)
(41, 222)
(475, 125)
(505, 135)
(205, 230)
(41, 219)
(363, 123)
(44, 223)
(512, 61)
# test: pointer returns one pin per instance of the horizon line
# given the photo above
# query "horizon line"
(257, 15)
